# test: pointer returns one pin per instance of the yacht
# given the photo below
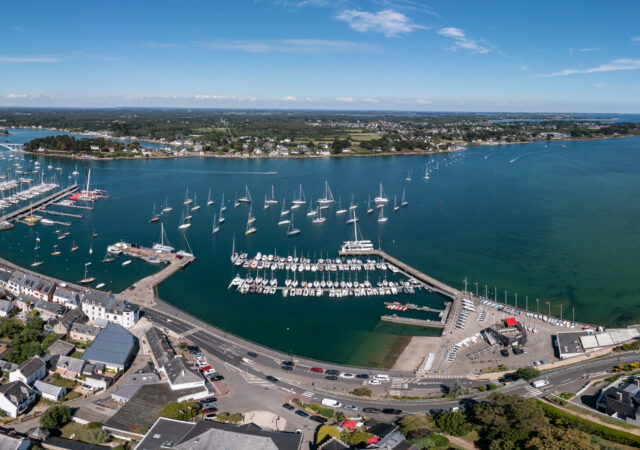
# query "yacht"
(216, 226)
(209, 200)
(301, 200)
(272, 200)
(312, 211)
(162, 247)
(284, 211)
(223, 207)
(166, 207)
(381, 217)
(155, 217)
(195, 206)
(250, 228)
(369, 208)
(319, 218)
(328, 196)
(395, 203)
(381, 199)
(292, 231)
(247, 196)
(187, 200)
(184, 225)
(340, 210)
(404, 201)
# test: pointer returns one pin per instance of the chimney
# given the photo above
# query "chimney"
(619, 396)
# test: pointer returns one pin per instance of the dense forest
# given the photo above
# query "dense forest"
(66, 143)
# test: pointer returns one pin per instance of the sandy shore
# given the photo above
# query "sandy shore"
(416, 352)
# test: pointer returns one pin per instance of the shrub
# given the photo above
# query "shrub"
(55, 417)
(180, 411)
(326, 432)
(222, 417)
(93, 436)
(454, 423)
(362, 391)
(527, 373)
(235, 418)
(322, 410)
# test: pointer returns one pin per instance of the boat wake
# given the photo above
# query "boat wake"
(526, 154)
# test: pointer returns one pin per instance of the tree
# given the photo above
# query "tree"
(93, 436)
(55, 417)
(408, 424)
(180, 410)
(326, 432)
(356, 438)
(456, 389)
(527, 373)
(235, 418)
(560, 439)
(340, 144)
(362, 391)
(454, 423)
(182, 345)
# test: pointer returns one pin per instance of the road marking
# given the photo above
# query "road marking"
(532, 392)
(308, 394)
(188, 332)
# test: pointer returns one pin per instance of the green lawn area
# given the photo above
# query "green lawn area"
(71, 428)
(76, 354)
(72, 395)
(359, 136)
(64, 382)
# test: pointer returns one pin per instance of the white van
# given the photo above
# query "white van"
(381, 377)
(539, 383)
(330, 402)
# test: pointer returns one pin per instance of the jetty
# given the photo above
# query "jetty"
(59, 213)
(70, 204)
(414, 322)
(25, 211)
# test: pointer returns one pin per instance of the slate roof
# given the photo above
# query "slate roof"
(52, 308)
(71, 297)
(16, 391)
(60, 347)
(69, 444)
(382, 429)
(113, 345)
(179, 373)
(160, 347)
(47, 388)
(71, 364)
(6, 305)
(83, 328)
(31, 366)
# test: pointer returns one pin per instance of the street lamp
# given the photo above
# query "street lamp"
(538, 305)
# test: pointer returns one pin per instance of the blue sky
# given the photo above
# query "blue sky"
(577, 56)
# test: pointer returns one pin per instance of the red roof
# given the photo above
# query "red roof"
(511, 322)
(372, 440)
(349, 424)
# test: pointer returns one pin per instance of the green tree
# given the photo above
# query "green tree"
(340, 144)
(408, 424)
(55, 417)
(326, 432)
(362, 391)
(456, 389)
(235, 418)
(454, 423)
(527, 373)
(93, 436)
(356, 438)
(558, 439)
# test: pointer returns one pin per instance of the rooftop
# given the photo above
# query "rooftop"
(31, 366)
(61, 347)
(178, 372)
(113, 345)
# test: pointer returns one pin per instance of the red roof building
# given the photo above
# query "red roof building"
(511, 321)
(349, 424)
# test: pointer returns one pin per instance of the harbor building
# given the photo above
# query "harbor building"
(106, 306)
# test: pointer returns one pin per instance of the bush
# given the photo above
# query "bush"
(235, 418)
(55, 417)
(180, 411)
(610, 434)
(322, 410)
(94, 425)
(527, 373)
(326, 432)
(93, 436)
(454, 423)
(362, 392)
(222, 417)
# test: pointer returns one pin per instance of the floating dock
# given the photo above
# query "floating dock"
(70, 204)
(20, 213)
(59, 213)
(414, 322)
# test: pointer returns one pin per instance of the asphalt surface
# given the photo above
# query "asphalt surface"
(310, 386)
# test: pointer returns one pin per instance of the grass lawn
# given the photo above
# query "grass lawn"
(64, 382)
(71, 396)
(76, 354)
(472, 437)
(602, 418)
(71, 428)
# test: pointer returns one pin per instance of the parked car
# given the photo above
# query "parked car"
(381, 377)
(288, 363)
(252, 354)
(288, 406)
(331, 377)
(455, 408)
(518, 351)
(536, 363)
(216, 377)
(316, 369)
(436, 411)
(210, 410)
(209, 373)
(193, 348)
(331, 402)
(208, 406)
(371, 410)
(318, 419)
(391, 411)
(301, 413)
(289, 368)
(333, 372)
(351, 407)
(272, 379)
(363, 376)
(208, 400)
(348, 376)
(88, 387)
(374, 382)
(210, 416)
(504, 352)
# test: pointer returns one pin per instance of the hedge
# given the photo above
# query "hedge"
(322, 410)
(610, 434)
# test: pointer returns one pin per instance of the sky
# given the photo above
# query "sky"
(455, 55)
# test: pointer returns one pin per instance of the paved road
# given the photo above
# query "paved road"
(305, 384)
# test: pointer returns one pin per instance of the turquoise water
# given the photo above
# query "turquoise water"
(558, 224)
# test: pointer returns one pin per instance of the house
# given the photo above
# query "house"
(64, 323)
(5, 276)
(50, 391)
(114, 347)
(12, 440)
(333, 444)
(31, 285)
(67, 297)
(102, 305)
(29, 371)
(132, 383)
(66, 366)
(5, 308)
(15, 397)
(169, 433)
(83, 333)
(60, 347)
(60, 443)
(49, 310)
(621, 399)
(396, 441)
(159, 347)
(14, 282)
(181, 376)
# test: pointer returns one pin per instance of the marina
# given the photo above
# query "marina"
(25, 211)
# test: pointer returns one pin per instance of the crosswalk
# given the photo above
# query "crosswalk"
(251, 379)
(308, 394)
(188, 332)
(532, 392)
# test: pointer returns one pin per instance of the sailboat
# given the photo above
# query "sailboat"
(328, 196)
(155, 217)
(94, 234)
(352, 218)
(162, 247)
(284, 211)
(292, 231)
(381, 199)
(340, 210)
(369, 208)
(223, 207)
(209, 199)
(166, 207)
(272, 200)
(381, 217)
(91, 248)
(250, 228)
(319, 218)
(126, 263)
(108, 258)
(426, 172)
(312, 211)
(408, 176)
(301, 200)
(266, 205)
(236, 203)
(75, 173)
(74, 246)
(247, 195)
(353, 205)
(55, 251)
(187, 200)
(100, 285)
(195, 206)
(404, 201)
(184, 224)
(251, 219)
(221, 219)
(36, 263)
(86, 279)
(216, 227)
(395, 203)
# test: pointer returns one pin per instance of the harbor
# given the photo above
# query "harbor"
(26, 211)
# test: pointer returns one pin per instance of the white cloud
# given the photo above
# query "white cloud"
(590, 49)
(370, 100)
(29, 59)
(461, 40)
(635, 39)
(297, 46)
(346, 99)
(388, 22)
(159, 45)
(420, 101)
(613, 66)
(16, 96)
(524, 68)
(289, 98)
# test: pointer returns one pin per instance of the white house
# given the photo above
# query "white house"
(50, 391)
(99, 305)
(15, 397)
(181, 376)
(29, 371)
(5, 308)
(67, 297)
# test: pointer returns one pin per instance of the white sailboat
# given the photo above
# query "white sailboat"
(408, 176)
(166, 207)
(75, 173)
(300, 200)
(369, 208)
(319, 218)
(381, 217)
(187, 200)
(311, 211)
(340, 210)
(266, 205)
(223, 207)
(251, 219)
(328, 196)
(284, 211)
(87, 279)
(183, 223)
(404, 201)
(247, 195)
(195, 206)
(395, 203)
(216, 227)
(353, 205)
(209, 199)
(250, 228)
(381, 199)
(352, 216)
(272, 200)
(292, 230)
(426, 172)
(221, 218)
